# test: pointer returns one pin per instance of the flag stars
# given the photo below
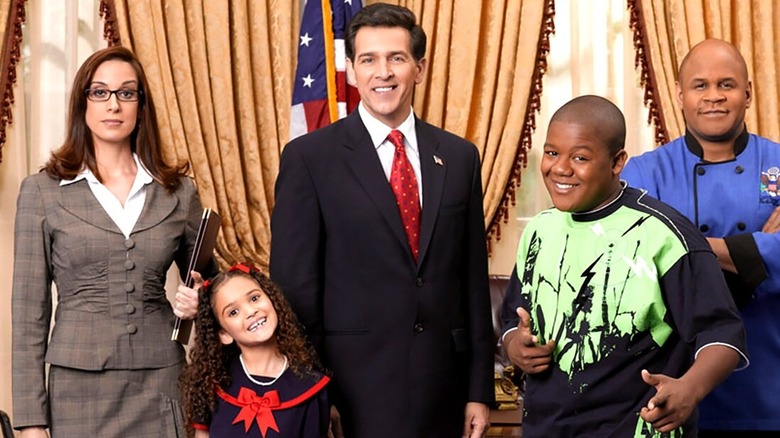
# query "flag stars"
(306, 39)
(307, 80)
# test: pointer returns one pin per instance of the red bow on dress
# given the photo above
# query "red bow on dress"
(260, 408)
(254, 407)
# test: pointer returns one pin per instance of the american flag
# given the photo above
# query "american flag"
(321, 94)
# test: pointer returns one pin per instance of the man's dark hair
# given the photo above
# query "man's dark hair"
(386, 15)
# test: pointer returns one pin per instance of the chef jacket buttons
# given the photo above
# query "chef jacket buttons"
(700, 170)
(739, 169)
(704, 228)
(741, 226)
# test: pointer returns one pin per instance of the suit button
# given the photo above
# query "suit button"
(129, 287)
(704, 228)
(700, 171)
(129, 243)
(418, 281)
(129, 264)
(419, 328)
(741, 226)
(739, 169)
(131, 328)
(129, 308)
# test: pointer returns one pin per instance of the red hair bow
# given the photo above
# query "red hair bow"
(246, 268)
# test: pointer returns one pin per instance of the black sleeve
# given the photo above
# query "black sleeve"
(750, 267)
(512, 300)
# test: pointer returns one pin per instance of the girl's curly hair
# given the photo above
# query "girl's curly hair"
(209, 358)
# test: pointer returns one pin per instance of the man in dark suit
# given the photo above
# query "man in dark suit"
(378, 241)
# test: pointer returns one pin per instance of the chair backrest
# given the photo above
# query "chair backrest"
(5, 424)
(498, 285)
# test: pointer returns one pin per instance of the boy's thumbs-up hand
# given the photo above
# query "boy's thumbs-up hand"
(522, 349)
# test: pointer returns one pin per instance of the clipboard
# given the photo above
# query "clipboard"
(201, 256)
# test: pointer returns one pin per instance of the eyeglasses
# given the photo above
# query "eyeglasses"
(104, 94)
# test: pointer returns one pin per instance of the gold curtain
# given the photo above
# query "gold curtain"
(221, 74)
(486, 61)
(12, 18)
(664, 32)
(223, 103)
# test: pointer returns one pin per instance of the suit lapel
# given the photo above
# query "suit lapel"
(159, 205)
(78, 199)
(367, 168)
(434, 170)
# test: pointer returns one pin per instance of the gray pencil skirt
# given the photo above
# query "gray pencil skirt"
(115, 403)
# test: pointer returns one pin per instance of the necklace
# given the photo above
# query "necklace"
(255, 381)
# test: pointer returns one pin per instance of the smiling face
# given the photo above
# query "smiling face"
(714, 92)
(111, 122)
(245, 313)
(577, 168)
(385, 72)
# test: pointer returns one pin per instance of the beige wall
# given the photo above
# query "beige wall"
(12, 170)
(58, 37)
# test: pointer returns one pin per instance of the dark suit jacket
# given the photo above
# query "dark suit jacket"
(408, 343)
(112, 311)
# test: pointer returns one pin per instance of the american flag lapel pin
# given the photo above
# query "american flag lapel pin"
(438, 161)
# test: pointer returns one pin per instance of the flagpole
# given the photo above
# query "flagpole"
(330, 62)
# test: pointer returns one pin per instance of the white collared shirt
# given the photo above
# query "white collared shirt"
(125, 216)
(385, 150)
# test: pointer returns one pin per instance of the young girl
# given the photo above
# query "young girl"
(251, 372)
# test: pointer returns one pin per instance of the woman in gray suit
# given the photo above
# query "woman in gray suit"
(103, 222)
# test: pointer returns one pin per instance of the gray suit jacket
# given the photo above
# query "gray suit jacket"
(112, 311)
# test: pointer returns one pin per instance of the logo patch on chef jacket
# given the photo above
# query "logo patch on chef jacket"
(770, 186)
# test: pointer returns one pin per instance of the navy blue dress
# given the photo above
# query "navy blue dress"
(290, 407)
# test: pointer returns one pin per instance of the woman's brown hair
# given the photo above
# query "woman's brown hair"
(78, 150)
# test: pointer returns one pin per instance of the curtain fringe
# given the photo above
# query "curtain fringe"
(12, 54)
(509, 198)
(643, 61)
(110, 30)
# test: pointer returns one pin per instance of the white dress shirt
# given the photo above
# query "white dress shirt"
(385, 150)
(125, 216)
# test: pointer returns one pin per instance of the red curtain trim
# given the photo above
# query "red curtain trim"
(110, 29)
(12, 54)
(647, 75)
(529, 126)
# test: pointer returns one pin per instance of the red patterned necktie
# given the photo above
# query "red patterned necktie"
(407, 197)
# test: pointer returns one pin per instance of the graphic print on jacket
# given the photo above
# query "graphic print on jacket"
(602, 303)
(588, 309)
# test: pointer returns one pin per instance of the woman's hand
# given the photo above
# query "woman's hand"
(186, 299)
(34, 432)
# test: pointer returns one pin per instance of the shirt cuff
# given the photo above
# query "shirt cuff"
(747, 259)
(504, 335)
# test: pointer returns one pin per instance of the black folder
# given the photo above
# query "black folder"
(201, 255)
